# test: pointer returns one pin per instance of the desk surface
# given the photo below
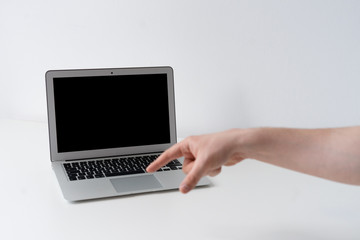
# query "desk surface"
(251, 200)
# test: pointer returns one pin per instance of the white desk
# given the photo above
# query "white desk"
(249, 201)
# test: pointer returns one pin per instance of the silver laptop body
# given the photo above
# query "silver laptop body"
(102, 120)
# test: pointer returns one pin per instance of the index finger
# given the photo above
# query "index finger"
(166, 157)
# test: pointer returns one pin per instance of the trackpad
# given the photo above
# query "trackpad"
(135, 183)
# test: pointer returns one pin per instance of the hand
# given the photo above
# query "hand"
(328, 153)
(203, 155)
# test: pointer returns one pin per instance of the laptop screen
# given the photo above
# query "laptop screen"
(103, 112)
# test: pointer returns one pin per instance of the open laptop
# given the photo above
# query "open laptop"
(107, 125)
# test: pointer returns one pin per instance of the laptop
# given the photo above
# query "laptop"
(107, 125)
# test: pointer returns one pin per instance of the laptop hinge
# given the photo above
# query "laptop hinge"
(114, 156)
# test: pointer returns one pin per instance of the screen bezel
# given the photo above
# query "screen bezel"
(56, 156)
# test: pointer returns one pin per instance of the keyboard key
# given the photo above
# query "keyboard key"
(67, 165)
(123, 173)
(174, 163)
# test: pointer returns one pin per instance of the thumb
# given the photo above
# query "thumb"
(192, 178)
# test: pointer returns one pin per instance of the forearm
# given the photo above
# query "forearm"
(328, 153)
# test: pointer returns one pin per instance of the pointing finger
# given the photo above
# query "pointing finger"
(166, 157)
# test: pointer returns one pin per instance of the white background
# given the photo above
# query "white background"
(237, 63)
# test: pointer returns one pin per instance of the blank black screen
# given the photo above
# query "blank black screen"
(104, 112)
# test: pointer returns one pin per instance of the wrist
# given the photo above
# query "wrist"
(248, 142)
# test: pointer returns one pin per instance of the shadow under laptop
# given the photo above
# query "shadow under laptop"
(134, 195)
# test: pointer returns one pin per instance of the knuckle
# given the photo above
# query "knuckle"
(191, 139)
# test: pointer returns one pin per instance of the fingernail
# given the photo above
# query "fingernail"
(184, 188)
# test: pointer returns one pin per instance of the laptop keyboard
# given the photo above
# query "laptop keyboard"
(111, 167)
